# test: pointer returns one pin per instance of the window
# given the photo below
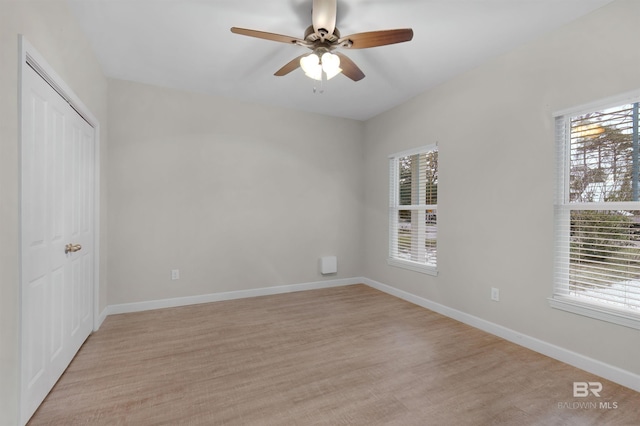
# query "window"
(598, 213)
(413, 209)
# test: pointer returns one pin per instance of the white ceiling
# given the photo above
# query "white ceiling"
(187, 44)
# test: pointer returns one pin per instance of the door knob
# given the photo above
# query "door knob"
(72, 248)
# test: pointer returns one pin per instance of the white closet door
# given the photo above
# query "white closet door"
(57, 210)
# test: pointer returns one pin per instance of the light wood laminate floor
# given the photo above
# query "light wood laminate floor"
(346, 355)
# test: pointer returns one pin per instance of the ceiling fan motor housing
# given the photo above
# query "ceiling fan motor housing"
(312, 36)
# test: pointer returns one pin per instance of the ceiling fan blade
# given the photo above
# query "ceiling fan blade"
(323, 15)
(377, 38)
(349, 68)
(294, 64)
(265, 35)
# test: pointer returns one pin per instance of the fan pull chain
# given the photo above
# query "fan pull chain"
(315, 88)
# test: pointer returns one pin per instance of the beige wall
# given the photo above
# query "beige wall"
(237, 196)
(51, 29)
(494, 127)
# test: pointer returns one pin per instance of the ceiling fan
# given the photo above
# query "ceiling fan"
(323, 38)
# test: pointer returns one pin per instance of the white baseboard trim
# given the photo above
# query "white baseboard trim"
(607, 371)
(100, 319)
(230, 295)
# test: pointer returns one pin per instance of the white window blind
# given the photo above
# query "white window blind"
(413, 209)
(598, 214)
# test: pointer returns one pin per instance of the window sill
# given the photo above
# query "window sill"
(413, 266)
(592, 310)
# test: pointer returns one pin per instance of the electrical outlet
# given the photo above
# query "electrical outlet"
(175, 274)
(495, 294)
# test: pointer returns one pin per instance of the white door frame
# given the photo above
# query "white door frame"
(29, 56)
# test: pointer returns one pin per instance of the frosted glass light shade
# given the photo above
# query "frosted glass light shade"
(331, 65)
(310, 64)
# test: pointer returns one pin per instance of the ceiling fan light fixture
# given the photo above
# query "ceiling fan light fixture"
(314, 65)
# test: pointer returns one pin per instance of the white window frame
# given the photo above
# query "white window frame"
(561, 299)
(394, 207)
